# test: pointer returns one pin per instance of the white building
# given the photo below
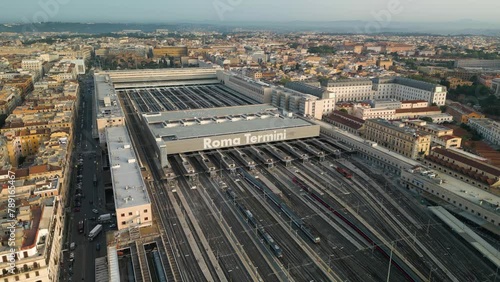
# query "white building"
(401, 88)
(33, 65)
(132, 202)
(489, 129)
(398, 88)
(495, 86)
(351, 90)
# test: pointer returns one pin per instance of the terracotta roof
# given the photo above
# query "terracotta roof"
(473, 163)
(31, 234)
(412, 101)
(419, 110)
(348, 116)
(346, 122)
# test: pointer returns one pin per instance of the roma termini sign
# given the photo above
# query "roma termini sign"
(246, 139)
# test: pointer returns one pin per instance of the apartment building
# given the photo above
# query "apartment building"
(397, 88)
(256, 90)
(23, 143)
(33, 65)
(465, 167)
(477, 63)
(365, 113)
(10, 98)
(398, 137)
(351, 90)
(401, 88)
(303, 104)
(441, 135)
(455, 82)
(488, 128)
(461, 113)
(23, 82)
(170, 51)
(32, 245)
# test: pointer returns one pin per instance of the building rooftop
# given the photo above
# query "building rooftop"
(462, 189)
(419, 110)
(408, 82)
(107, 100)
(176, 125)
(399, 126)
(486, 122)
(306, 88)
(128, 185)
(472, 162)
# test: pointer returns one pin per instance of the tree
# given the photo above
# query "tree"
(343, 110)
(427, 119)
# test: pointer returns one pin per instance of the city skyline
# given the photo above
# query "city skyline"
(155, 11)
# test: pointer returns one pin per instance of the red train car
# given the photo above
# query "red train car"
(344, 172)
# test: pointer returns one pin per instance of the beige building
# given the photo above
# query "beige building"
(441, 135)
(132, 202)
(397, 137)
(9, 99)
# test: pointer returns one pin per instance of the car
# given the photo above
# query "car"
(76, 209)
(93, 218)
(72, 246)
(112, 225)
(98, 246)
(95, 211)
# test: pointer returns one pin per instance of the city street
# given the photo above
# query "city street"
(86, 158)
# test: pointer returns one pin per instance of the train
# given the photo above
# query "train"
(158, 266)
(384, 250)
(277, 251)
(296, 220)
(344, 172)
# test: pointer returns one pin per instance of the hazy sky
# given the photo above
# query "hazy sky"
(245, 10)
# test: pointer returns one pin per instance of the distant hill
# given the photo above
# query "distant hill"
(356, 27)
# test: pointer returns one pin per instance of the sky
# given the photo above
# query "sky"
(165, 11)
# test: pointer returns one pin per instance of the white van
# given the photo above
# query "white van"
(72, 246)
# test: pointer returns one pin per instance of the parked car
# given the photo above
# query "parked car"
(71, 256)
(93, 218)
(95, 211)
(112, 225)
(72, 246)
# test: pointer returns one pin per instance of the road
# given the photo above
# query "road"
(82, 269)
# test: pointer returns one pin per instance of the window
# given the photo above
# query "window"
(123, 214)
(124, 223)
(37, 273)
(129, 213)
(27, 275)
(146, 218)
(145, 211)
